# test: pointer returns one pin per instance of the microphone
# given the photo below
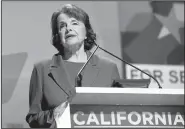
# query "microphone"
(130, 65)
(78, 79)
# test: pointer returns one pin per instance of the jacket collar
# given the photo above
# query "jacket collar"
(57, 60)
(60, 76)
(58, 73)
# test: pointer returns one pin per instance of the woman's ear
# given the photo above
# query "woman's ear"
(85, 39)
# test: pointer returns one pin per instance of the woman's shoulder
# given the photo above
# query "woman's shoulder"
(43, 63)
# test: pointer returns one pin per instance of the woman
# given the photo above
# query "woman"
(52, 84)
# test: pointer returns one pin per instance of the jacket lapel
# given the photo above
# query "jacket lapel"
(60, 76)
(91, 71)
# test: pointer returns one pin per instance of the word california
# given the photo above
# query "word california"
(122, 118)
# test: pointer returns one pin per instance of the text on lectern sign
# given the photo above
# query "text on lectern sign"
(126, 116)
(169, 76)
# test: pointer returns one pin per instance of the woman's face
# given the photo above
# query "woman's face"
(72, 32)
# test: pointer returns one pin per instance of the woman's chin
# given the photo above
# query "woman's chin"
(73, 43)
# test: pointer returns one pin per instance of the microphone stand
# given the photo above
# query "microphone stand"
(78, 79)
(132, 66)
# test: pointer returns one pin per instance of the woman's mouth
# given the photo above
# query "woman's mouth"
(69, 36)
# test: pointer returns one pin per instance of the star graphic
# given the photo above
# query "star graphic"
(164, 32)
(172, 24)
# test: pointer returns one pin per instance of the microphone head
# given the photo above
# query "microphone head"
(78, 80)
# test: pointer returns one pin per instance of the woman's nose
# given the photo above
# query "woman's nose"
(68, 28)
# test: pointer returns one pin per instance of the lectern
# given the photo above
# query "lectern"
(125, 107)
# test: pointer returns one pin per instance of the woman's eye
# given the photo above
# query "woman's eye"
(75, 23)
(62, 26)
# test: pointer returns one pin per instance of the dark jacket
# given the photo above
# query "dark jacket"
(50, 86)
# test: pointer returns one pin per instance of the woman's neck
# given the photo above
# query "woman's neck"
(76, 56)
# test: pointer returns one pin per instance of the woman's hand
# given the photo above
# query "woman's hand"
(58, 111)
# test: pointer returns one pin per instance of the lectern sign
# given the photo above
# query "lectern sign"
(83, 116)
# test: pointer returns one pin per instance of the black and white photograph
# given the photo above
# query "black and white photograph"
(92, 64)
